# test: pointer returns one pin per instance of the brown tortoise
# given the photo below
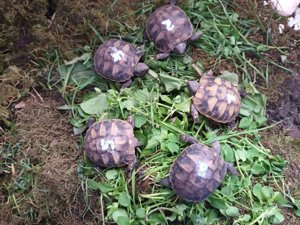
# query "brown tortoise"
(198, 171)
(111, 143)
(118, 61)
(170, 29)
(214, 97)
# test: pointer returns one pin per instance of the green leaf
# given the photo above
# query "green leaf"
(258, 169)
(277, 218)
(122, 220)
(232, 77)
(166, 99)
(217, 203)
(171, 83)
(95, 105)
(92, 184)
(119, 213)
(197, 220)
(241, 154)
(111, 174)
(173, 147)
(257, 191)
(140, 121)
(124, 199)
(297, 212)
(105, 187)
(127, 104)
(245, 123)
(157, 218)
(228, 153)
(232, 211)
(267, 192)
(140, 213)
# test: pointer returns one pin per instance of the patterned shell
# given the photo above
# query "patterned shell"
(116, 60)
(217, 99)
(168, 26)
(197, 172)
(110, 143)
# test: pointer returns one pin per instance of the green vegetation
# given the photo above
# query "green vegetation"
(160, 105)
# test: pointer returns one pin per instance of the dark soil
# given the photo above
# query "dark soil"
(287, 108)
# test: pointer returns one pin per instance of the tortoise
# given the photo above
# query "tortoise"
(214, 97)
(118, 61)
(170, 29)
(198, 171)
(111, 143)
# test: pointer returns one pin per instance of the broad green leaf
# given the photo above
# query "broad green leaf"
(197, 220)
(105, 187)
(232, 77)
(245, 123)
(111, 174)
(122, 220)
(95, 105)
(140, 121)
(166, 99)
(173, 147)
(217, 203)
(258, 169)
(277, 217)
(232, 211)
(157, 219)
(257, 191)
(171, 83)
(124, 199)
(140, 213)
(92, 184)
(119, 213)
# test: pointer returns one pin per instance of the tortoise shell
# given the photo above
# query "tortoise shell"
(116, 60)
(110, 143)
(217, 99)
(167, 27)
(197, 172)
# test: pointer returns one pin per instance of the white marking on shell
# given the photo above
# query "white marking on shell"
(116, 54)
(168, 24)
(106, 143)
(230, 98)
(202, 169)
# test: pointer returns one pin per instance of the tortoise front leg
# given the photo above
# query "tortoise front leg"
(173, 2)
(231, 169)
(189, 139)
(216, 146)
(194, 112)
(141, 69)
(166, 182)
(162, 55)
(180, 48)
(196, 36)
(132, 165)
(126, 84)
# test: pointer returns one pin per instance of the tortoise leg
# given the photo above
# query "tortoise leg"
(196, 36)
(216, 146)
(243, 93)
(145, 36)
(194, 112)
(130, 120)
(180, 48)
(126, 84)
(130, 167)
(231, 125)
(162, 55)
(189, 139)
(141, 69)
(231, 169)
(192, 87)
(173, 2)
(166, 182)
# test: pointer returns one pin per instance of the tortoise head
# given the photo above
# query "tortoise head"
(192, 87)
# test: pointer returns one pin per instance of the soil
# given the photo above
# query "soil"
(45, 136)
(33, 32)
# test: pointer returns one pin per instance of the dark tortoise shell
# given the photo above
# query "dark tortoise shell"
(111, 143)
